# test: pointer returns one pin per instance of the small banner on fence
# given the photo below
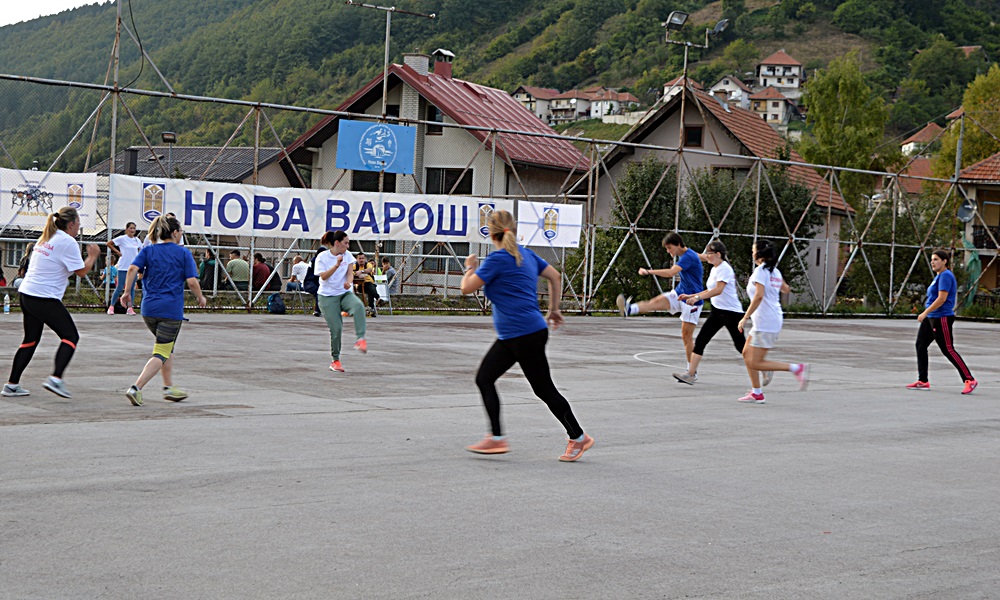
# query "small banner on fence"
(365, 146)
(234, 209)
(545, 224)
(27, 197)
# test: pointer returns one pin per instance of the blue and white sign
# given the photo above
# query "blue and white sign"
(27, 197)
(234, 209)
(545, 224)
(365, 146)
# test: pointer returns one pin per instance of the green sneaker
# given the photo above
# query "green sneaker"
(173, 393)
(134, 396)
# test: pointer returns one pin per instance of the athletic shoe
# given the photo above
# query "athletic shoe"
(57, 387)
(623, 303)
(174, 393)
(343, 313)
(920, 385)
(134, 396)
(111, 309)
(574, 450)
(490, 446)
(752, 398)
(803, 376)
(316, 313)
(766, 377)
(970, 385)
(336, 366)
(130, 311)
(361, 346)
(686, 378)
(14, 389)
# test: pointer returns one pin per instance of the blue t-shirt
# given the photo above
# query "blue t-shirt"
(692, 274)
(513, 290)
(943, 282)
(164, 268)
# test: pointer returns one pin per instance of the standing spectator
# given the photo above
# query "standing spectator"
(126, 247)
(57, 257)
(299, 270)
(390, 276)
(238, 271)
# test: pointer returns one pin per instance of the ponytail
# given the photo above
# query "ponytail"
(764, 249)
(503, 229)
(333, 236)
(58, 221)
(163, 227)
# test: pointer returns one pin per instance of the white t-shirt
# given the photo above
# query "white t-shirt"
(299, 271)
(129, 247)
(727, 300)
(767, 318)
(334, 286)
(52, 263)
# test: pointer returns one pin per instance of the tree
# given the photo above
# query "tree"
(941, 65)
(982, 103)
(740, 56)
(733, 9)
(847, 123)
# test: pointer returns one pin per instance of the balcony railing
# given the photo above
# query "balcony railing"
(981, 239)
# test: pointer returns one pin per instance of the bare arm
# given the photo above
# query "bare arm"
(555, 295)
(324, 275)
(114, 249)
(758, 297)
(470, 281)
(674, 270)
(92, 253)
(694, 298)
(195, 287)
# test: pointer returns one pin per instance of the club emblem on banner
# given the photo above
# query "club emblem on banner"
(485, 210)
(32, 198)
(74, 195)
(152, 200)
(550, 223)
(378, 147)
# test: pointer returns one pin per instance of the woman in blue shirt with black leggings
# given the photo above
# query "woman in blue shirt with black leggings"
(509, 278)
(936, 324)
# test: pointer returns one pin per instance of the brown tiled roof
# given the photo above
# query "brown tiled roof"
(780, 58)
(768, 93)
(984, 171)
(690, 81)
(578, 94)
(736, 80)
(539, 92)
(925, 135)
(617, 96)
(958, 112)
(970, 50)
(920, 167)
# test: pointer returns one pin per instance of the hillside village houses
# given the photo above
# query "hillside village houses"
(576, 105)
(920, 140)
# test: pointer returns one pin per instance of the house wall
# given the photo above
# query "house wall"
(270, 176)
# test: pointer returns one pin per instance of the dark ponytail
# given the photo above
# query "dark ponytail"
(764, 249)
(333, 236)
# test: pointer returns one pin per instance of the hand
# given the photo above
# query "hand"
(126, 299)
(471, 261)
(742, 323)
(93, 251)
(555, 318)
(644, 271)
(683, 297)
(691, 300)
(347, 285)
(921, 317)
(340, 259)
(202, 300)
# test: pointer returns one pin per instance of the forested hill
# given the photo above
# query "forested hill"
(317, 52)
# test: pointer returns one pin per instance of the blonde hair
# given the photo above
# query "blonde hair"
(504, 230)
(162, 227)
(58, 220)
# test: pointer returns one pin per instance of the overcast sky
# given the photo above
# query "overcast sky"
(15, 11)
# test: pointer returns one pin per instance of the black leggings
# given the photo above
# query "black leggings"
(717, 319)
(529, 352)
(939, 330)
(37, 313)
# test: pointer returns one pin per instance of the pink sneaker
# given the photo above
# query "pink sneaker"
(361, 346)
(752, 398)
(574, 450)
(490, 446)
(111, 309)
(919, 385)
(336, 366)
(803, 376)
(970, 385)
(130, 311)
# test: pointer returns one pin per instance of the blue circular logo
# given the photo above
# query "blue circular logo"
(377, 147)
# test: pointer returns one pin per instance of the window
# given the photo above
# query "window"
(440, 181)
(775, 105)
(437, 265)
(433, 114)
(392, 110)
(779, 81)
(15, 252)
(765, 83)
(367, 181)
(692, 137)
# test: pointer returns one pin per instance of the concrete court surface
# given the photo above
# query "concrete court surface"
(281, 479)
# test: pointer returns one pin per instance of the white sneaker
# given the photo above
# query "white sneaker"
(13, 389)
(766, 378)
(57, 387)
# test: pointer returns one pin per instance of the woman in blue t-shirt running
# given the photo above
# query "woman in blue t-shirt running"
(165, 267)
(936, 324)
(509, 278)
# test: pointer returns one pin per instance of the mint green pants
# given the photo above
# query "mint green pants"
(331, 307)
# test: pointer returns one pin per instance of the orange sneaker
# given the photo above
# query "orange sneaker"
(970, 385)
(336, 366)
(919, 385)
(361, 346)
(489, 445)
(574, 450)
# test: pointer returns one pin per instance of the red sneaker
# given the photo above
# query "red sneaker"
(970, 385)
(361, 346)
(920, 385)
(336, 366)
(574, 450)
(489, 445)
(752, 397)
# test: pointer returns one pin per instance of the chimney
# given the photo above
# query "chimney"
(442, 62)
(131, 161)
(421, 63)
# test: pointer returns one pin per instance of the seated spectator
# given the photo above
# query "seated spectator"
(299, 270)
(365, 272)
(390, 276)
(238, 271)
(260, 271)
(208, 275)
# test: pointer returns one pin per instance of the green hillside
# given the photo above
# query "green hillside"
(317, 52)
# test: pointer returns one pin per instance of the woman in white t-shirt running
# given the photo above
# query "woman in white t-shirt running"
(335, 269)
(127, 247)
(765, 288)
(54, 258)
(726, 308)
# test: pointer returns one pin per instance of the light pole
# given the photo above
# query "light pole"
(169, 138)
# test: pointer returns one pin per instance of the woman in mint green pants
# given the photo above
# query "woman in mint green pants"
(335, 271)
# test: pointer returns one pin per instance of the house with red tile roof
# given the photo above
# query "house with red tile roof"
(573, 105)
(731, 90)
(981, 184)
(782, 72)
(921, 139)
(673, 87)
(772, 106)
(610, 102)
(728, 138)
(537, 100)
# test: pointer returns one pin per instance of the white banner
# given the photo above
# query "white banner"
(27, 197)
(235, 209)
(549, 224)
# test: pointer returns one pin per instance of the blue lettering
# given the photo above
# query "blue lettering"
(244, 210)
(341, 215)
(190, 207)
(260, 211)
(366, 218)
(453, 231)
(413, 218)
(296, 216)
(389, 217)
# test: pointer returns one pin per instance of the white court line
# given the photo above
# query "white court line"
(640, 355)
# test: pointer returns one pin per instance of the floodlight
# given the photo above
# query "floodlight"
(719, 27)
(168, 137)
(676, 20)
